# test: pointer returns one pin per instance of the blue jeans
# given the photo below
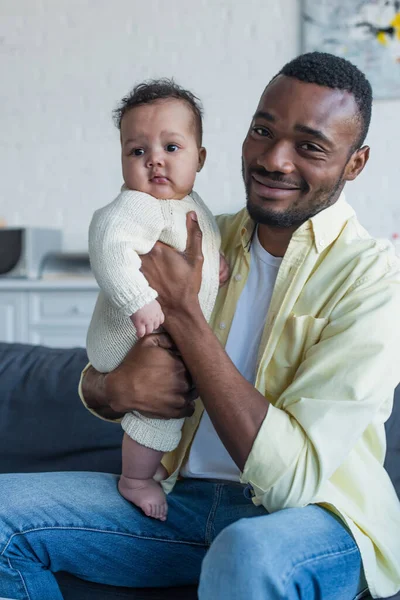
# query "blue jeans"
(78, 522)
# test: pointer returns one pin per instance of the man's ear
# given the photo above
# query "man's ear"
(202, 158)
(357, 162)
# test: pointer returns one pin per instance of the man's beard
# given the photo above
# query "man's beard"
(296, 214)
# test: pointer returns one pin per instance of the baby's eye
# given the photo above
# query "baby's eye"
(137, 151)
(172, 148)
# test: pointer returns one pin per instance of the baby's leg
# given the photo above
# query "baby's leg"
(140, 465)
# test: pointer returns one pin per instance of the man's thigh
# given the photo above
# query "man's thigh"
(293, 553)
(78, 522)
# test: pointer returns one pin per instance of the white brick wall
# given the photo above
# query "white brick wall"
(64, 65)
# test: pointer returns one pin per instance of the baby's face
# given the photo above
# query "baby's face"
(160, 153)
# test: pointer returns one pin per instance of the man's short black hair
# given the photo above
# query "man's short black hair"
(160, 89)
(338, 73)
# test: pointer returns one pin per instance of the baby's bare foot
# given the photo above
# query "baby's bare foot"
(147, 494)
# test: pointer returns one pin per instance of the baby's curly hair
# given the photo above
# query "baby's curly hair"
(338, 73)
(160, 89)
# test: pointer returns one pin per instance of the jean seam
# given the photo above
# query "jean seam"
(315, 558)
(22, 579)
(93, 530)
(208, 533)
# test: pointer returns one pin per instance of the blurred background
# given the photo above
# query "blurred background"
(65, 64)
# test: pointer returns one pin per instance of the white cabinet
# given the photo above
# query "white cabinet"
(69, 307)
(13, 316)
(58, 337)
(50, 314)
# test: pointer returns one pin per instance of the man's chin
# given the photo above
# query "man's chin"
(265, 206)
(272, 215)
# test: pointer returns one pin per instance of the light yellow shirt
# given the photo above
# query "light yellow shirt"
(328, 365)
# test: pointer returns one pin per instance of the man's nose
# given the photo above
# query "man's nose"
(155, 159)
(277, 157)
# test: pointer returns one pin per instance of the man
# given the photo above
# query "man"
(296, 376)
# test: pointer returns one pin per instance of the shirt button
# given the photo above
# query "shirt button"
(321, 243)
(238, 277)
(222, 325)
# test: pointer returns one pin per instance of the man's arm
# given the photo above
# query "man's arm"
(228, 397)
(93, 391)
(236, 408)
(151, 379)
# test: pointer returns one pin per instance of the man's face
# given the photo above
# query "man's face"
(297, 154)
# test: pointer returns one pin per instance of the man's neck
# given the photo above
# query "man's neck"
(275, 241)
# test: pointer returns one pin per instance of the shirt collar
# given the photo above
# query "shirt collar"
(325, 226)
(328, 224)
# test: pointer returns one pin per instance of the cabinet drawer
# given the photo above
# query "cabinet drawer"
(57, 337)
(12, 317)
(61, 307)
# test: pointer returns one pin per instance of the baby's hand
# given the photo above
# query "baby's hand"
(224, 270)
(148, 319)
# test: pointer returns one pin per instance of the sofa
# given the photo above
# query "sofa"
(44, 427)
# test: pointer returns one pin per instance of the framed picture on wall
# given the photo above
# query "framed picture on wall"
(366, 32)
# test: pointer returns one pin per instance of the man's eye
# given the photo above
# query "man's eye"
(172, 148)
(262, 131)
(309, 147)
(137, 151)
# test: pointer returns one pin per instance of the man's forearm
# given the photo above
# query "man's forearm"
(235, 407)
(94, 391)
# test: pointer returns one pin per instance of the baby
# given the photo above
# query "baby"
(161, 140)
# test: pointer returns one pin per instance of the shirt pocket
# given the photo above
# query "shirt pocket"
(299, 334)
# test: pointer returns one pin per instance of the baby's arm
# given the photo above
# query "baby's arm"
(118, 234)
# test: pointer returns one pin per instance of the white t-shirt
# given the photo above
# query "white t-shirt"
(208, 458)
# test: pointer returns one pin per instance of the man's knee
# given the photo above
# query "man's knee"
(236, 558)
(234, 545)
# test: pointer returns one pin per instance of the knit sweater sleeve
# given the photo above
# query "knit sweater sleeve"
(211, 220)
(118, 234)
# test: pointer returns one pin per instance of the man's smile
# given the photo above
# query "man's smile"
(266, 187)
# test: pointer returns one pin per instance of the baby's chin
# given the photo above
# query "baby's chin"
(166, 193)
(159, 191)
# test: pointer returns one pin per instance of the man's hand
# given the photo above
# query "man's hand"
(151, 379)
(176, 276)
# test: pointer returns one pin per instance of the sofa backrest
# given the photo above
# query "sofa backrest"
(43, 424)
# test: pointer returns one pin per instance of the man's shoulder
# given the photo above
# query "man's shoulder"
(371, 255)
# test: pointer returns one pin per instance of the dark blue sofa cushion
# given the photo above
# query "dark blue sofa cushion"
(44, 426)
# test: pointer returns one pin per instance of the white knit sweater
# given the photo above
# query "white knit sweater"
(119, 233)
